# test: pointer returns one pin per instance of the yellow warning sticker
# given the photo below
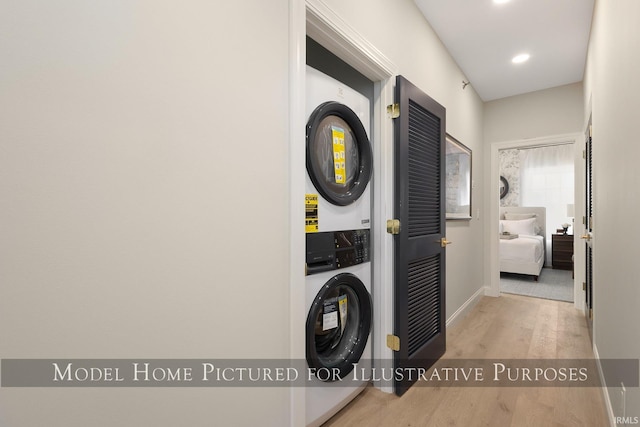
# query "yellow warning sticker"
(338, 155)
(342, 306)
(311, 213)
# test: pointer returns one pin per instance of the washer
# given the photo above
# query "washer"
(339, 320)
(338, 282)
(339, 157)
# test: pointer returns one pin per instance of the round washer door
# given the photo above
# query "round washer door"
(338, 326)
(339, 156)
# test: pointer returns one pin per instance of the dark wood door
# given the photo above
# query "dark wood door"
(588, 236)
(419, 204)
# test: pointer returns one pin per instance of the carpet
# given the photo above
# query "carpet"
(552, 284)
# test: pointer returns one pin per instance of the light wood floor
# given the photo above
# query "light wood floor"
(509, 327)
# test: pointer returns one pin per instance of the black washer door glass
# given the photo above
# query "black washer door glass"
(339, 156)
(338, 324)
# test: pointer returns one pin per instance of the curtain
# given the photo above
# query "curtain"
(547, 180)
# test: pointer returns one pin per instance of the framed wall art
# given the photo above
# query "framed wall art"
(458, 179)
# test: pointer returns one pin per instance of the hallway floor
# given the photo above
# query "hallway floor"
(508, 327)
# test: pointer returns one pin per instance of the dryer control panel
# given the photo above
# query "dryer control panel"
(334, 250)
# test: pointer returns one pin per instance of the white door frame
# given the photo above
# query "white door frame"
(316, 19)
(492, 163)
(297, 155)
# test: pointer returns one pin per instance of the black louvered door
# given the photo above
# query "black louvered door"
(419, 254)
(589, 229)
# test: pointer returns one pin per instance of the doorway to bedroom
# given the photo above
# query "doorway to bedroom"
(536, 220)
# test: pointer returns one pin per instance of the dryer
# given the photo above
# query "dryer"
(338, 283)
(339, 158)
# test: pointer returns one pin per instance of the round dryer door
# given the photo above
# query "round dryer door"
(338, 325)
(339, 157)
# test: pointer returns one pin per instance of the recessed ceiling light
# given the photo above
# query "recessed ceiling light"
(501, 1)
(520, 58)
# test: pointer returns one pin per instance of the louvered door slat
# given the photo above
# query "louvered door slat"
(423, 303)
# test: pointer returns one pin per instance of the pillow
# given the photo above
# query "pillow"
(523, 226)
(537, 229)
(517, 216)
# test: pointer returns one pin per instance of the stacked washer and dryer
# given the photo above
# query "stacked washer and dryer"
(338, 281)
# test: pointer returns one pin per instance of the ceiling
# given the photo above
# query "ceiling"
(483, 37)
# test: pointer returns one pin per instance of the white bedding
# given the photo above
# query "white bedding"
(525, 249)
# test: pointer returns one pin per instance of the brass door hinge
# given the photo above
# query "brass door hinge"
(393, 342)
(591, 313)
(393, 226)
(584, 154)
(393, 111)
(584, 286)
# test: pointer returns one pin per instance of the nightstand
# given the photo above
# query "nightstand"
(562, 251)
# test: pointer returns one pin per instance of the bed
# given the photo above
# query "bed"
(524, 254)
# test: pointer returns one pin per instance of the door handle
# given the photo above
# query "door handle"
(444, 242)
(586, 237)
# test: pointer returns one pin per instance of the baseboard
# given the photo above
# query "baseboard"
(464, 308)
(605, 393)
(489, 292)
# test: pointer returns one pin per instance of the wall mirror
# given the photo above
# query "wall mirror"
(504, 187)
(458, 179)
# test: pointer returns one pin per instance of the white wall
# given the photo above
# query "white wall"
(143, 156)
(612, 90)
(408, 41)
(546, 112)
